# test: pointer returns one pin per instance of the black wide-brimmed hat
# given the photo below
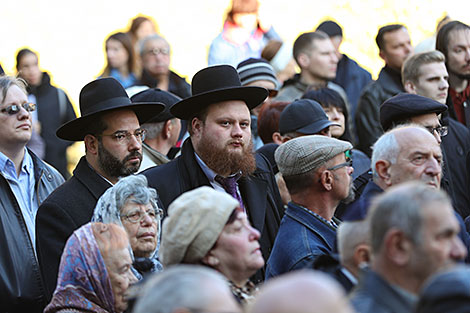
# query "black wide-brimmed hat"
(216, 84)
(101, 96)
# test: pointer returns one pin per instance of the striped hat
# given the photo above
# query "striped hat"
(253, 69)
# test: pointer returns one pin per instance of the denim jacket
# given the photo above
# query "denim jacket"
(302, 237)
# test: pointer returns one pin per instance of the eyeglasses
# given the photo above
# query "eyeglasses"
(123, 137)
(338, 166)
(441, 130)
(13, 109)
(272, 93)
(158, 51)
(138, 216)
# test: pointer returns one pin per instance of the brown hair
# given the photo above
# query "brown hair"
(109, 237)
(411, 69)
(268, 119)
(126, 42)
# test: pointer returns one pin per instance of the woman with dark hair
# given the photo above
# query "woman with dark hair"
(337, 111)
(120, 59)
(208, 227)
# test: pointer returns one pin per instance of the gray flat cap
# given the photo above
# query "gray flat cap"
(306, 153)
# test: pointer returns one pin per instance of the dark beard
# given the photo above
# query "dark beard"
(226, 163)
(459, 75)
(112, 166)
(351, 195)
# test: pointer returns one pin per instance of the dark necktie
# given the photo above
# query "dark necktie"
(230, 186)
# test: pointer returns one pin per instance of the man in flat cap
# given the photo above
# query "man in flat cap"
(425, 74)
(162, 131)
(219, 153)
(318, 176)
(110, 128)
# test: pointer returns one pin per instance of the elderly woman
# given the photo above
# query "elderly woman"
(206, 226)
(133, 205)
(94, 272)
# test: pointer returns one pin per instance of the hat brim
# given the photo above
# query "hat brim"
(316, 127)
(189, 107)
(77, 129)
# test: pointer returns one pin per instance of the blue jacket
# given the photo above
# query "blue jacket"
(302, 237)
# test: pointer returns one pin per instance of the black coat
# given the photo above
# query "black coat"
(367, 116)
(21, 286)
(66, 209)
(51, 115)
(259, 191)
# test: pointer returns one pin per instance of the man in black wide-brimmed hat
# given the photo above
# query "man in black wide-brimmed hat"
(219, 151)
(110, 128)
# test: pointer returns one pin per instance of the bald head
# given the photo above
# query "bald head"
(303, 291)
(407, 153)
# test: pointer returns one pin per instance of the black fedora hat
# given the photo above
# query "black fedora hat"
(215, 84)
(101, 96)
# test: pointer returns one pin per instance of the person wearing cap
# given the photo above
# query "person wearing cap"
(413, 233)
(218, 152)
(25, 182)
(425, 74)
(258, 72)
(317, 174)
(162, 131)
(394, 44)
(317, 60)
(207, 226)
(110, 128)
(349, 75)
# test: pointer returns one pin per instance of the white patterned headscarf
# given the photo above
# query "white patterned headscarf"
(108, 208)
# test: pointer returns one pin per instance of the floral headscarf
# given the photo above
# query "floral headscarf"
(83, 282)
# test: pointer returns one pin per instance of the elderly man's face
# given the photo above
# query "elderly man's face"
(156, 57)
(116, 157)
(223, 139)
(15, 129)
(429, 121)
(420, 158)
(440, 245)
(458, 53)
(432, 82)
(342, 172)
(143, 233)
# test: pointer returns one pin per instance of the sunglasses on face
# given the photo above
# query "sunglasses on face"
(15, 108)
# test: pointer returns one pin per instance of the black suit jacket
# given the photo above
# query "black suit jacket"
(259, 191)
(65, 210)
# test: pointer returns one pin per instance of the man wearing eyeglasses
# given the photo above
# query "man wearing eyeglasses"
(155, 58)
(425, 74)
(317, 173)
(25, 181)
(110, 128)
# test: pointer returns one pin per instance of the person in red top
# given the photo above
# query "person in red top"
(453, 40)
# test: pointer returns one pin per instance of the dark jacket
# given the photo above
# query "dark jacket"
(259, 191)
(66, 209)
(367, 118)
(375, 295)
(177, 84)
(51, 115)
(302, 237)
(357, 210)
(21, 286)
(353, 79)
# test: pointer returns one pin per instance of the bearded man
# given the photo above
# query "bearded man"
(110, 127)
(218, 152)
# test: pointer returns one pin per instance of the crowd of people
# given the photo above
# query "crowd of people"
(255, 188)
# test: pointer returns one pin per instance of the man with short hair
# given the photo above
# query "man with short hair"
(413, 233)
(425, 74)
(218, 152)
(395, 45)
(317, 174)
(110, 128)
(349, 75)
(316, 57)
(453, 40)
(25, 182)
(156, 73)
(162, 131)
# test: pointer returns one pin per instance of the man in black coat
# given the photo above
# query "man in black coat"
(219, 151)
(110, 127)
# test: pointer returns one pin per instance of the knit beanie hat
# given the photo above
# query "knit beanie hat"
(253, 69)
